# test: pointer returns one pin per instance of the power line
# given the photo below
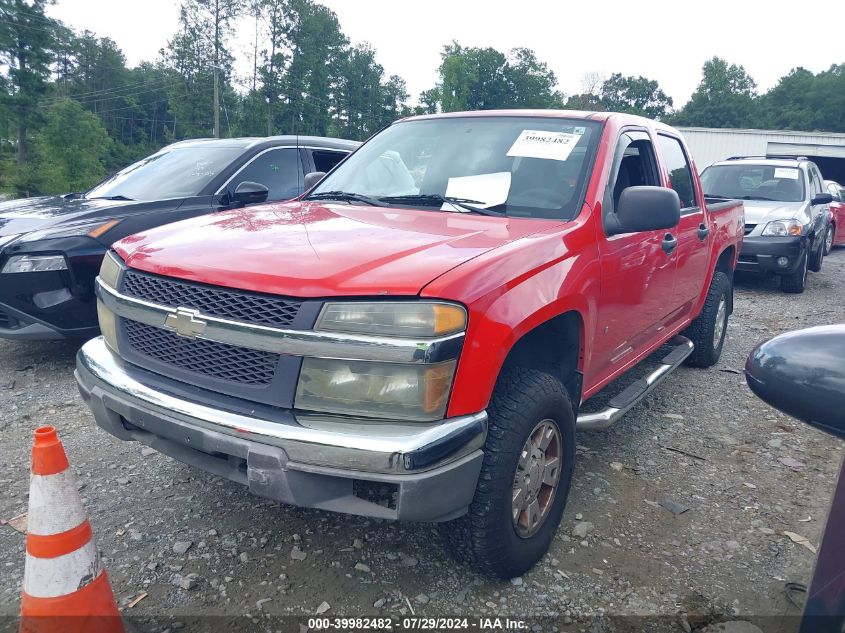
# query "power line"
(94, 93)
(94, 98)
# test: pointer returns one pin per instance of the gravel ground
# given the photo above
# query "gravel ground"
(198, 545)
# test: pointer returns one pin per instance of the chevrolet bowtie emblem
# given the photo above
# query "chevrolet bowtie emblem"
(185, 323)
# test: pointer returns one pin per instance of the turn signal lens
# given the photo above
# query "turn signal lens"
(448, 318)
(98, 231)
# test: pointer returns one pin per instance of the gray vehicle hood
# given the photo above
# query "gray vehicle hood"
(765, 211)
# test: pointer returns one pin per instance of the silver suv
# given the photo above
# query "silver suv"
(787, 214)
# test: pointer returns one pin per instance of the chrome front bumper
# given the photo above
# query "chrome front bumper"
(307, 460)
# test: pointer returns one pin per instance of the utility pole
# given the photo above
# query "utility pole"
(216, 68)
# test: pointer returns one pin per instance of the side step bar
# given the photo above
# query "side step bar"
(621, 403)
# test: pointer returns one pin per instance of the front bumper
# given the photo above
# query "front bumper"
(761, 254)
(393, 470)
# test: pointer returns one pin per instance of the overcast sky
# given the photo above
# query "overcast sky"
(666, 41)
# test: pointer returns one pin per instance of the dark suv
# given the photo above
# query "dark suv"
(51, 247)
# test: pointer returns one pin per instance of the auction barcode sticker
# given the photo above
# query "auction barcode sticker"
(786, 172)
(543, 144)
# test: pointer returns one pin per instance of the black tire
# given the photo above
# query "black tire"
(817, 257)
(828, 238)
(796, 282)
(705, 331)
(486, 537)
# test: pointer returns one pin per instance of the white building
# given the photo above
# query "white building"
(826, 149)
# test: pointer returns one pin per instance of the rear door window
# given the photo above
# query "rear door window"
(680, 171)
(325, 160)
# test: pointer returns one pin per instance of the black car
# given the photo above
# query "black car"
(51, 247)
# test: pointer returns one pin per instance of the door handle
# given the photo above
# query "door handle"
(669, 243)
(703, 231)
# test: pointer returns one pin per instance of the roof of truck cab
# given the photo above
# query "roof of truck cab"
(287, 140)
(630, 119)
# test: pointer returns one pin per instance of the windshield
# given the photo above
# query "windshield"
(515, 166)
(753, 182)
(172, 173)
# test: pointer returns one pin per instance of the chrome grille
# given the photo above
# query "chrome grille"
(216, 360)
(749, 228)
(226, 304)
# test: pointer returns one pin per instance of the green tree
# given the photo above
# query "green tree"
(724, 98)
(394, 101)
(27, 43)
(486, 79)
(472, 78)
(804, 101)
(68, 151)
(317, 47)
(199, 53)
(530, 82)
(358, 99)
(636, 95)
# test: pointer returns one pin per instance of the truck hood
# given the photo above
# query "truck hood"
(763, 211)
(307, 249)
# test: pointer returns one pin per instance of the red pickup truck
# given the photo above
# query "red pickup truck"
(414, 338)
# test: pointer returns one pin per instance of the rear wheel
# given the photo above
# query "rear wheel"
(796, 282)
(525, 477)
(828, 239)
(707, 331)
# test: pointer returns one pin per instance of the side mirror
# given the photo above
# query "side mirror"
(802, 373)
(644, 209)
(251, 192)
(312, 179)
(822, 198)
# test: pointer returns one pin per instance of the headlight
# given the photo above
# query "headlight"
(110, 270)
(35, 263)
(383, 390)
(90, 228)
(108, 325)
(783, 228)
(408, 319)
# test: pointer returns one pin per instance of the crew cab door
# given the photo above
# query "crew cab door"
(693, 232)
(637, 269)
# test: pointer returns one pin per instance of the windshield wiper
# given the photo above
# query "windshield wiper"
(345, 196)
(758, 198)
(118, 197)
(428, 198)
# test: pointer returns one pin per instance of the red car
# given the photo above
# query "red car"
(836, 237)
(414, 337)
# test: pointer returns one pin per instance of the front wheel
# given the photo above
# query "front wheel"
(817, 257)
(525, 476)
(796, 282)
(707, 331)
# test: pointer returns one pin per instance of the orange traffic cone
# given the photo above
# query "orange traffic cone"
(65, 589)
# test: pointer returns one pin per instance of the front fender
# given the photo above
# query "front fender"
(503, 316)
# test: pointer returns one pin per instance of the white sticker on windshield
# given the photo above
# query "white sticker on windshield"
(786, 172)
(483, 190)
(542, 144)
